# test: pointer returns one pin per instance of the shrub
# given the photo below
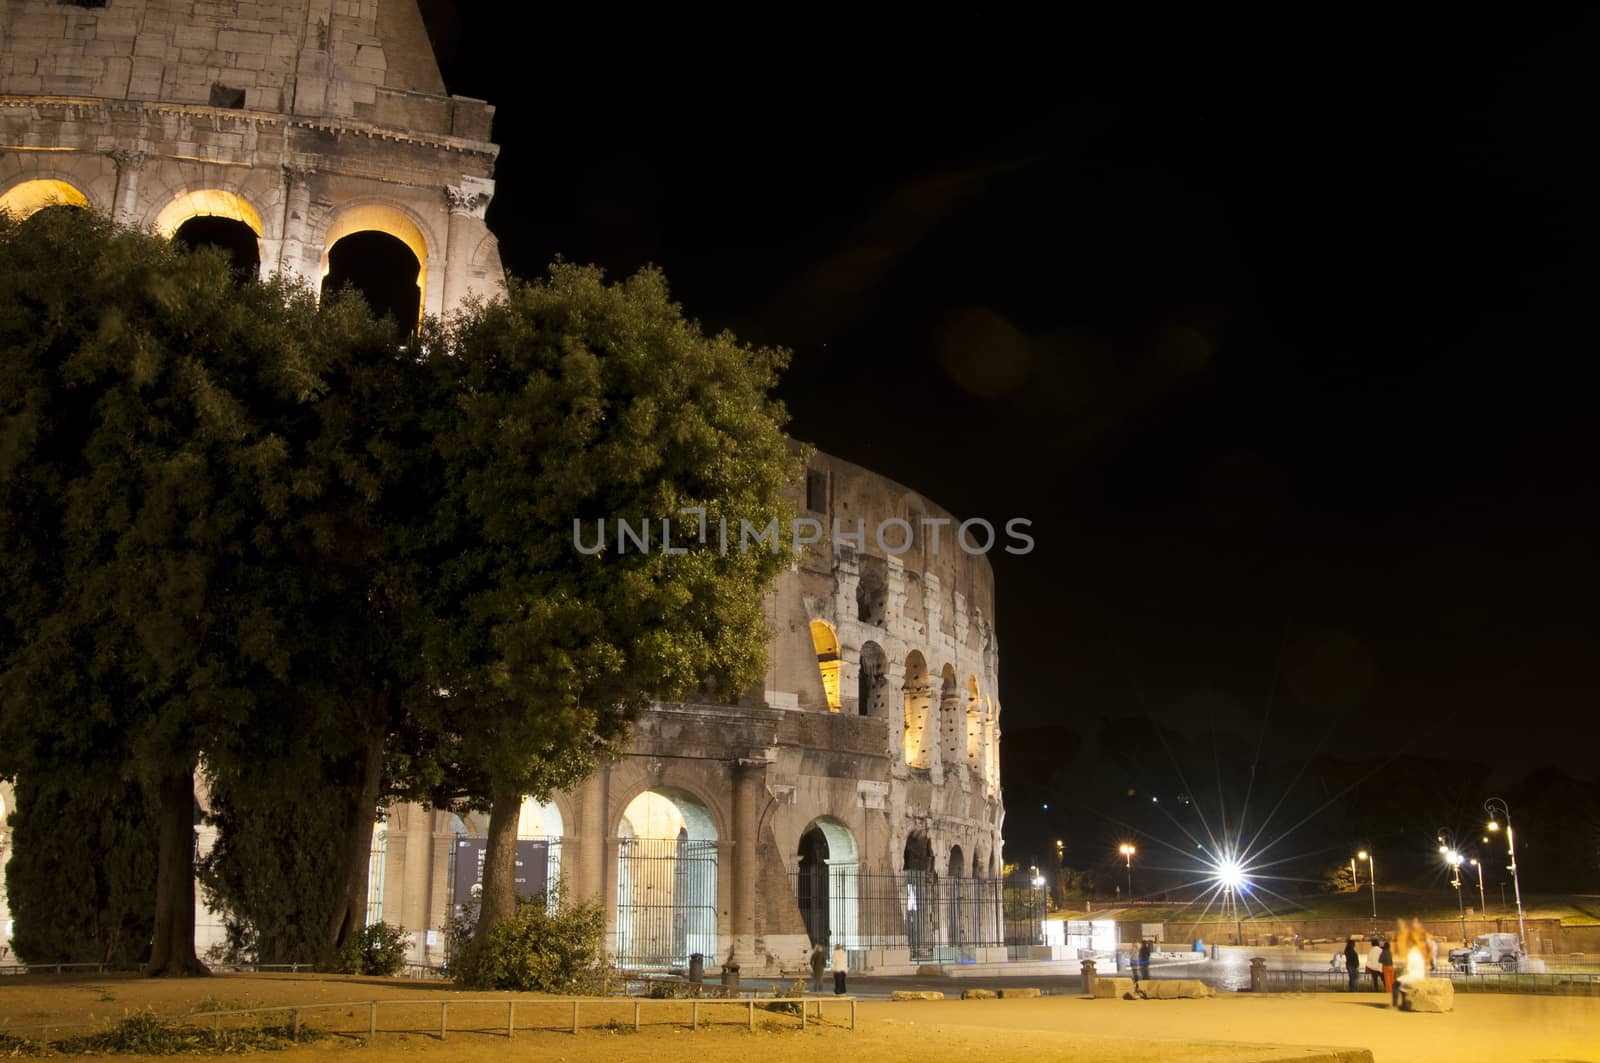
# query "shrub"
(377, 949)
(536, 950)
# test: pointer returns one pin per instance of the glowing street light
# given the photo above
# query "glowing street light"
(1483, 905)
(1127, 852)
(1498, 814)
(1372, 878)
(1447, 849)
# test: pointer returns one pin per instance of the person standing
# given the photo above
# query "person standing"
(1375, 965)
(1144, 959)
(841, 960)
(819, 960)
(1352, 962)
(1386, 960)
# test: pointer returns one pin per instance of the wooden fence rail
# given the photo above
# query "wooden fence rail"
(296, 1012)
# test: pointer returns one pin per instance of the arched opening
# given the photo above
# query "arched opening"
(827, 885)
(827, 647)
(234, 238)
(377, 860)
(921, 895)
(961, 898)
(974, 725)
(380, 253)
(872, 682)
(28, 197)
(539, 831)
(952, 724)
(918, 711)
(666, 881)
(871, 591)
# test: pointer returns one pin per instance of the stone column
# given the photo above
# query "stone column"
(749, 782)
(292, 225)
(125, 200)
(589, 865)
(468, 202)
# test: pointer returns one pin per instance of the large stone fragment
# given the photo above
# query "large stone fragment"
(1430, 994)
(1115, 988)
(1174, 989)
(977, 994)
(915, 994)
(1016, 994)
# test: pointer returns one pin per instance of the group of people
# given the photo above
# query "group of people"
(819, 963)
(1420, 949)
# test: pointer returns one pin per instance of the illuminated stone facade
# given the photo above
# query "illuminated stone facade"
(834, 802)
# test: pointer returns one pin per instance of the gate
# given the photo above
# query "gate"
(666, 902)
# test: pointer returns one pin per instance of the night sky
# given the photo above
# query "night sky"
(1287, 352)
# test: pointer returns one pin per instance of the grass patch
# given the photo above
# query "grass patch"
(148, 1034)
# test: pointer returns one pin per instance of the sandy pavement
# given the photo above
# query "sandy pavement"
(1233, 1027)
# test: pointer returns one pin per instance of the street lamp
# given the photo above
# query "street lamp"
(1483, 905)
(1127, 852)
(1355, 879)
(1372, 879)
(1498, 814)
(1448, 850)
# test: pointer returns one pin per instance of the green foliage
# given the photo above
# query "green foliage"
(540, 951)
(273, 872)
(192, 509)
(147, 1034)
(379, 948)
(81, 874)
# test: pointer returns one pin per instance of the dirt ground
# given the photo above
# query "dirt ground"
(1233, 1027)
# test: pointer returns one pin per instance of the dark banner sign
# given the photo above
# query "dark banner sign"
(533, 868)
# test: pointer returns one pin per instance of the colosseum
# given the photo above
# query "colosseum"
(856, 799)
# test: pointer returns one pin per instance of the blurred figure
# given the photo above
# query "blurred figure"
(1352, 962)
(1375, 965)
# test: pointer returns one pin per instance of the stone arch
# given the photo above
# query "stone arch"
(31, 195)
(541, 823)
(827, 885)
(872, 681)
(826, 643)
(917, 696)
(921, 901)
(666, 879)
(386, 219)
(215, 217)
(952, 722)
(872, 590)
(975, 722)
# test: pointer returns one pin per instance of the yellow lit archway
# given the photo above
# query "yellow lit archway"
(210, 203)
(23, 199)
(827, 647)
(375, 217)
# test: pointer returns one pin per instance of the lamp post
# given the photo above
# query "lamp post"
(1372, 880)
(1498, 814)
(1483, 905)
(1447, 849)
(1127, 852)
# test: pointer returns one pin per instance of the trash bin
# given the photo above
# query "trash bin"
(730, 979)
(1088, 978)
(697, 968)
(1258, 975)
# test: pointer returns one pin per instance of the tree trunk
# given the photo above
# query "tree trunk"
(349, 914)
(499, 900)
(172, 952)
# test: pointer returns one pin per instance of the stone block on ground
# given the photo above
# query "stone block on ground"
(1174, 989)
(1017, 994)
(1430, 994)
(1114, 988)
(977, 994)
(915, 994)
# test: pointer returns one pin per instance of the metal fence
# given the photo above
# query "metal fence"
(1577, 983)
(935, 917)
(666, 902)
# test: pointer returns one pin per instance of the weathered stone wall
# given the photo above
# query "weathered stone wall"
(361, 59)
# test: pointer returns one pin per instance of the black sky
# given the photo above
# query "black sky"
(1284, 340)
